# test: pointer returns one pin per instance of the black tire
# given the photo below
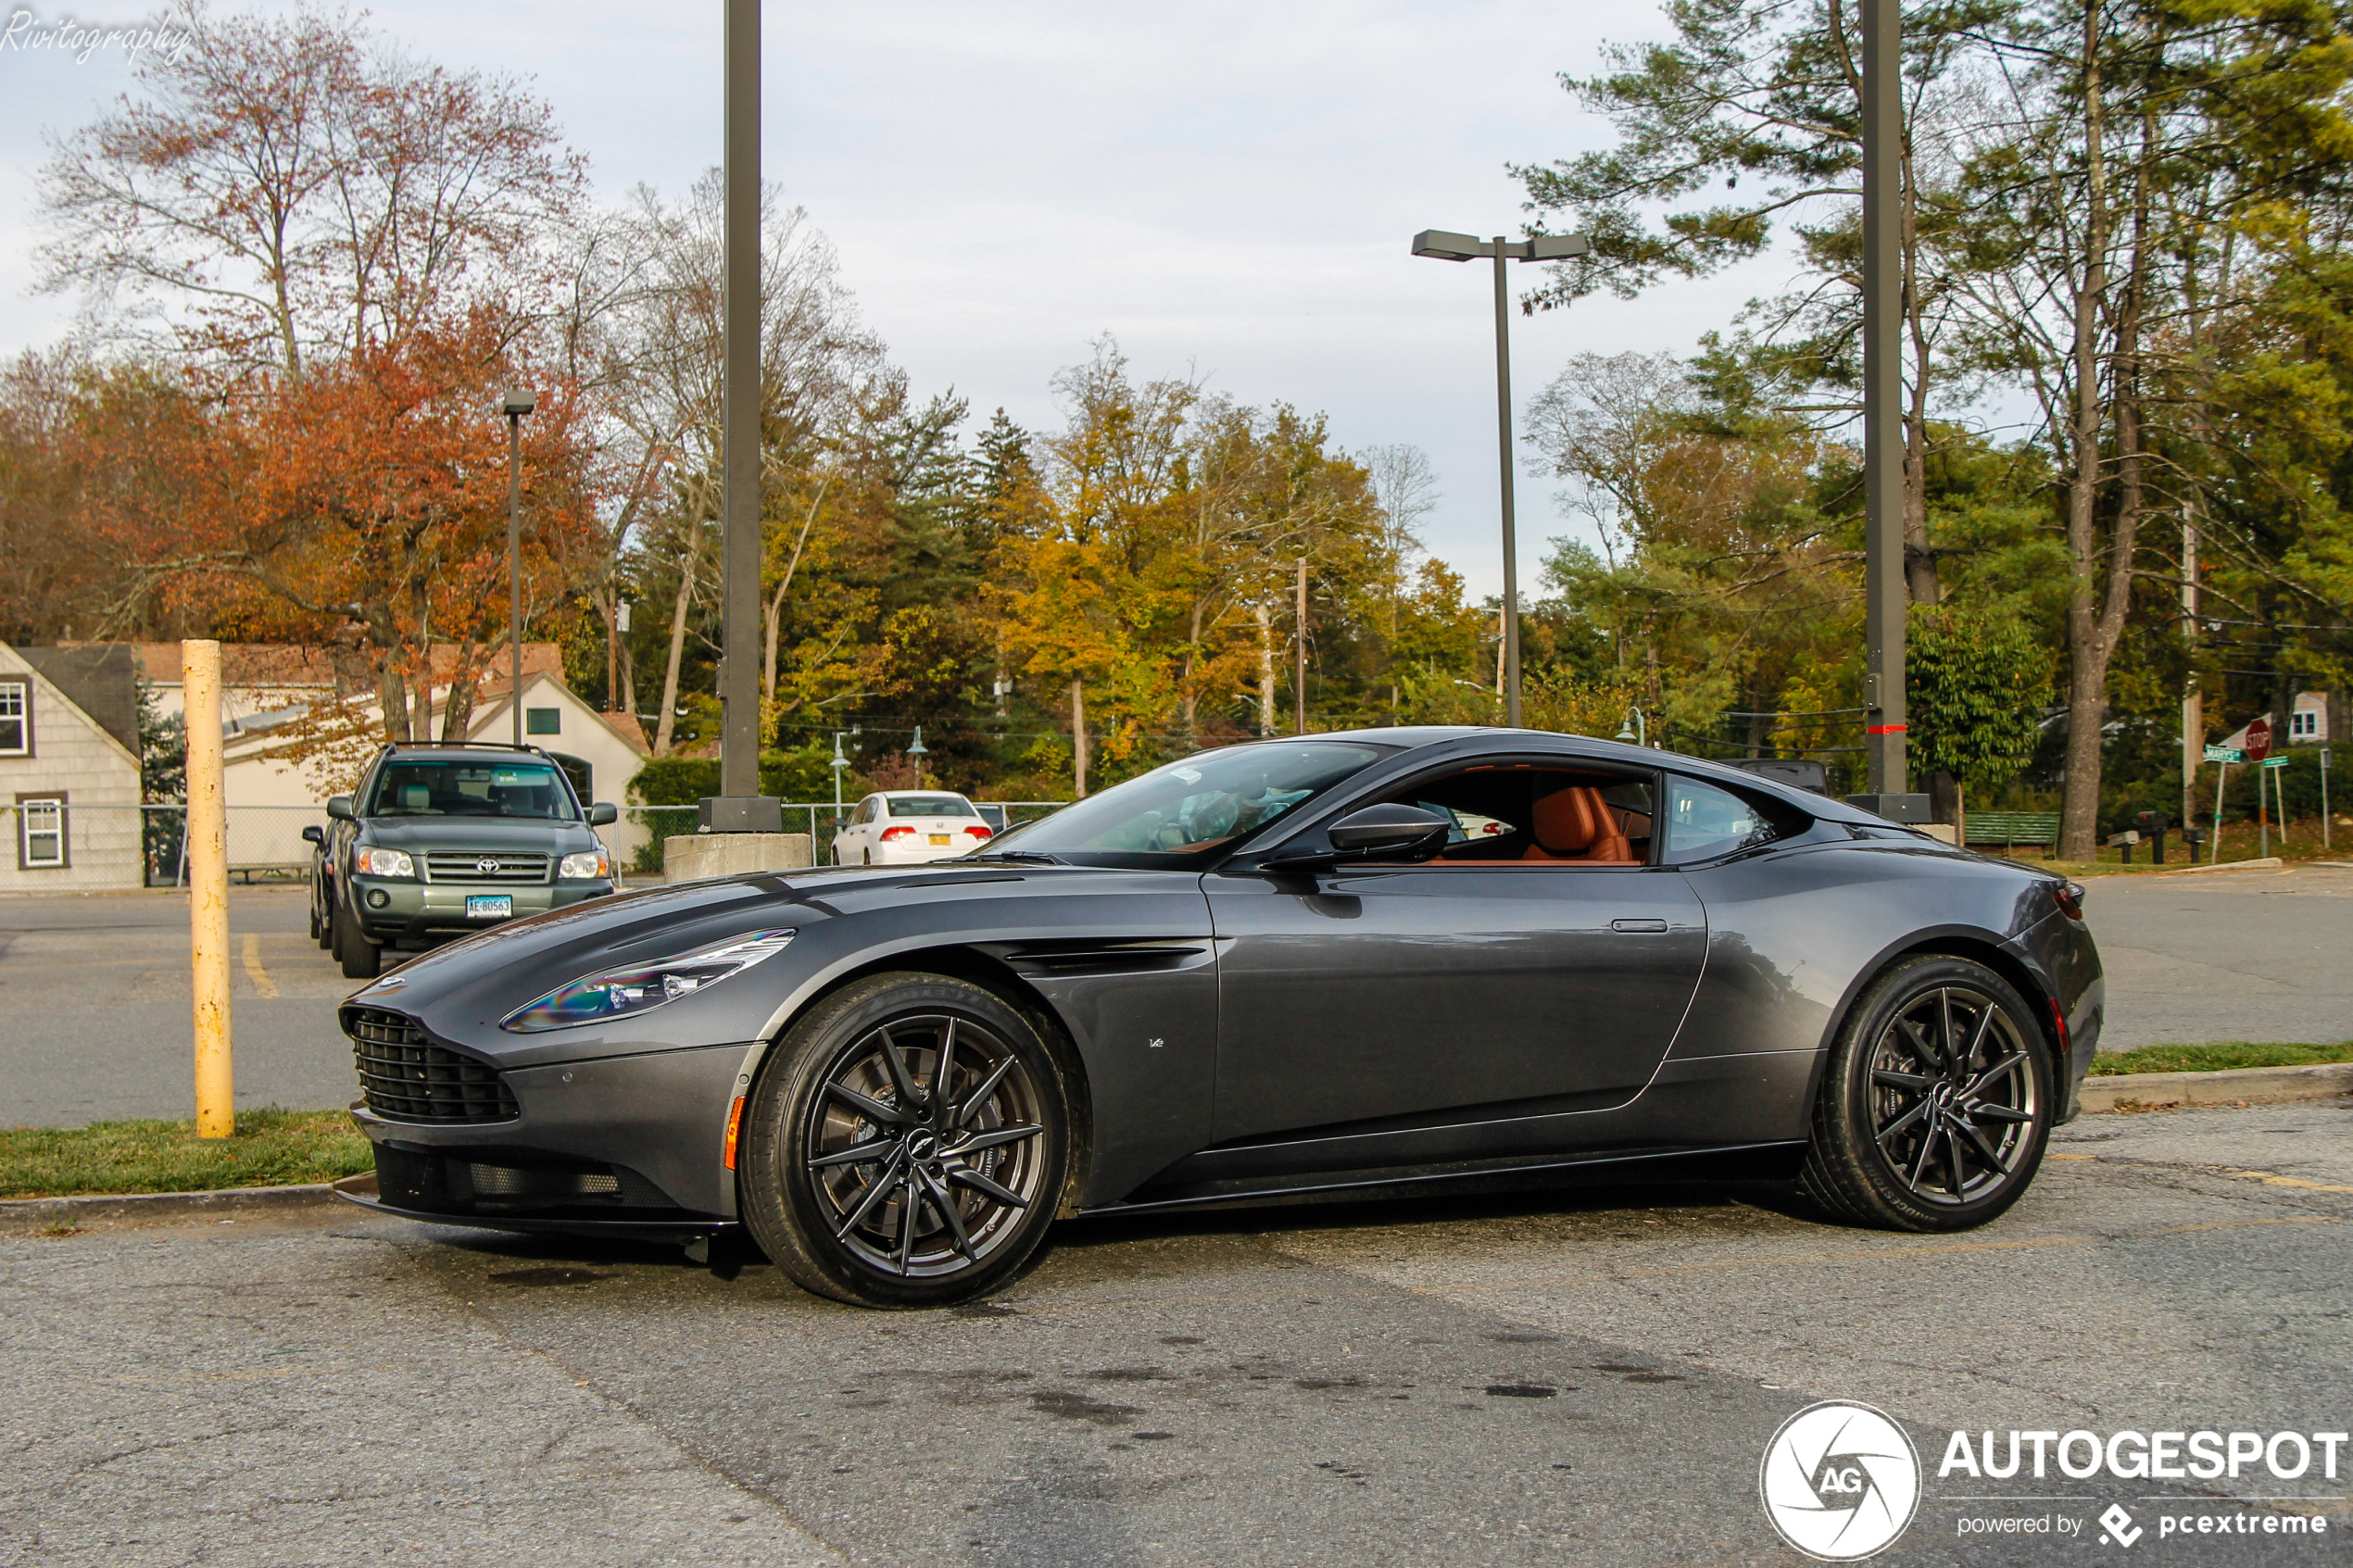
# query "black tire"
(362, 959)
(335, 933)
(1936, 1102)
(842, 1081)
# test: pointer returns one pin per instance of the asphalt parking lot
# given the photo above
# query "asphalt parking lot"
(96, 988)
(1541, 1379)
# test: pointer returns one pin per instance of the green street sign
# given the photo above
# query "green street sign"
(2275, 761)
(2224, 753)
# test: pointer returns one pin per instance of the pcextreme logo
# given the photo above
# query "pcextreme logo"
(1840, 1481)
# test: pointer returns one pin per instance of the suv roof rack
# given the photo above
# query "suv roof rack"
(459, 746)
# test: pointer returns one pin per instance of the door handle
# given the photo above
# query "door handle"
(1637, 926)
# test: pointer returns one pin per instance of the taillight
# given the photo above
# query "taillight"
(889, 834)
(2068, 896)
(977, 832)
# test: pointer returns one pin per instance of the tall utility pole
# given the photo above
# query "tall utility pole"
(739, 807)
(1885, 597)
(2192, 699)
(1299, 677)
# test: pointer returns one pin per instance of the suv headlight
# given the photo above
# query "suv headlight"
(382, 863)
(632, 990)
(587, 865)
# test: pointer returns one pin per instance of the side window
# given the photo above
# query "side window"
(1703, 821)
(1538, 814)
(866, 812)
(15, 719)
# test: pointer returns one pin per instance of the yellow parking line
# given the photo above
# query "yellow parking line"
(263, 985)
(2271, 1181)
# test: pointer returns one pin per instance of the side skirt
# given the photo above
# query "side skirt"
(1774, 1160)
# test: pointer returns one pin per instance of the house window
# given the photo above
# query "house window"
(2305, 725)
(543, 720)
(41, 834)
(15, 719)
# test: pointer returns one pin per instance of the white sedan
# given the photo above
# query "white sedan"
(906, 827)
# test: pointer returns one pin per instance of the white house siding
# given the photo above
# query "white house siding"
(580, 732)
(99, 780)
(255, 773)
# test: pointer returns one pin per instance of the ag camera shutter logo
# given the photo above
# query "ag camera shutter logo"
(1840, 1481)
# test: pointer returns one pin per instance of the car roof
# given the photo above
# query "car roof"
(896, 793)
(1410, 737)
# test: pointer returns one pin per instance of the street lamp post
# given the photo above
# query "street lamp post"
(1445, 246)
(514, 403)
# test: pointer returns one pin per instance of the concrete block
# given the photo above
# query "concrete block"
(692, 857)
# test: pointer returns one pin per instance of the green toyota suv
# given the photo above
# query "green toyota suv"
(447, 838)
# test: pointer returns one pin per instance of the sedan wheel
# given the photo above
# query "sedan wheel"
(1936, 1103)
(907, 1145)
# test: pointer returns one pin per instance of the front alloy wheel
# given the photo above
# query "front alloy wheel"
(907, 1146)
(1936, 1102)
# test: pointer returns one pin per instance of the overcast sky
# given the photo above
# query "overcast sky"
(1225, 186)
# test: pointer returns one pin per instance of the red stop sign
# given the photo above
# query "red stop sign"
(2258, 740)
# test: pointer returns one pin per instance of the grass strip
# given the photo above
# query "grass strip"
(2219, 1057)
(271, 1147)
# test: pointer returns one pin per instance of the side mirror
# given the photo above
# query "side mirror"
(339, 807)
(602, 813)
(1377, 833)
(313, 834)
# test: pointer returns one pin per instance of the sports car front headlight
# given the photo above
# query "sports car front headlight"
(618, 992)
(585, 866)
(382, 863)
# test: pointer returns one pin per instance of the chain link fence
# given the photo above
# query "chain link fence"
(74, 847)
(69, 847)
(821, 819)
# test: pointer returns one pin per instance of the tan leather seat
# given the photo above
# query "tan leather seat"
(1572, 823)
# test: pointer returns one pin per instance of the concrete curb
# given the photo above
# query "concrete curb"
(2268, 863)
(2238, 1085)
(27, 1216)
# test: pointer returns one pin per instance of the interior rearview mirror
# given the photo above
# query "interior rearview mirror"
(339, 807)
(603, 811)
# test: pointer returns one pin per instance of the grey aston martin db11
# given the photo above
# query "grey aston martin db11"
(1370, 962)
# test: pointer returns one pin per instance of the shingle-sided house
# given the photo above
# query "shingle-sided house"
(69, 768)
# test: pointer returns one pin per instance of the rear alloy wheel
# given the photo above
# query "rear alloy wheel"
(1936, 1103)
(908, 1144)
(362, 959)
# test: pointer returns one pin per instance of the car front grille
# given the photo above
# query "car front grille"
(503, 866)
(404, 1079)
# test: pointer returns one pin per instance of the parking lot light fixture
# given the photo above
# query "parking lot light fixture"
(1444, 245)
(514, 403)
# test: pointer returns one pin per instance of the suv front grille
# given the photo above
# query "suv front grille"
(449, 865)
(404, 1079)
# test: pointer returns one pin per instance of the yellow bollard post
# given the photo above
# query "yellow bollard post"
(207, 850)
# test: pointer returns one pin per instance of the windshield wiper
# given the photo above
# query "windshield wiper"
(1026, 857)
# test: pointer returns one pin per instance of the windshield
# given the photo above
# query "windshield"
(1206, 802)
(931, 806)
(468, 788)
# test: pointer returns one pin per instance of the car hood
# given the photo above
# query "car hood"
(469, 834)
(461, 991)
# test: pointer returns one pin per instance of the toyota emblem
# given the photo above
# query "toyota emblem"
(485, 865)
